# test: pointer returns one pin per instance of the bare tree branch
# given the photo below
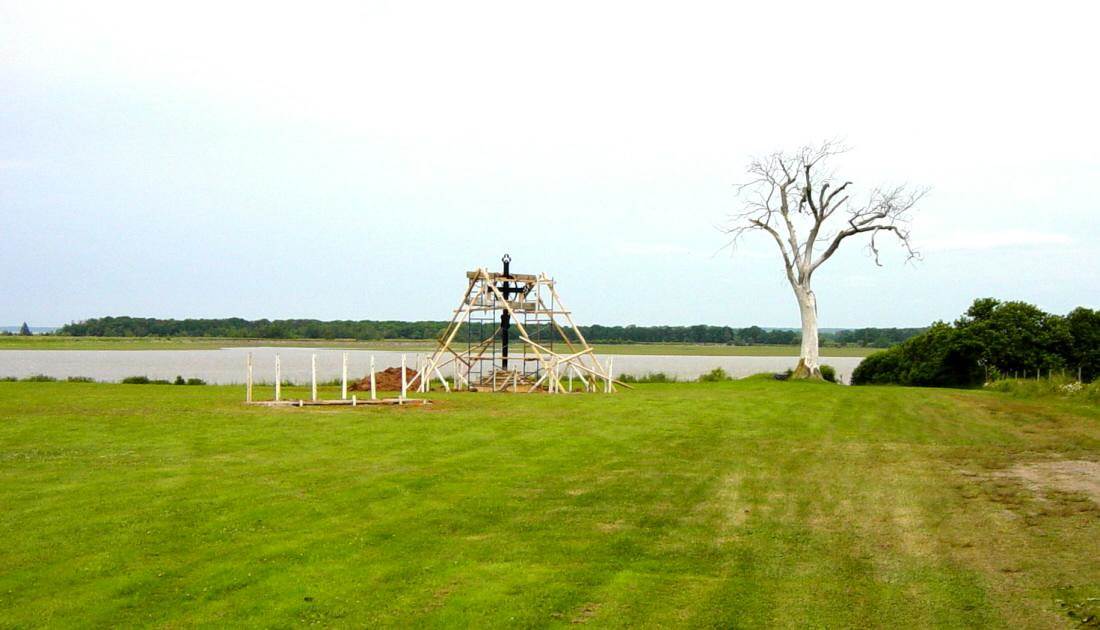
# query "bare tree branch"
(788, 189)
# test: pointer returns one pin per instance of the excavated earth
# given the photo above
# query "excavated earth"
(387, 380)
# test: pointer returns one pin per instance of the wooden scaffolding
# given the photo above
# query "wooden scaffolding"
(547, 354)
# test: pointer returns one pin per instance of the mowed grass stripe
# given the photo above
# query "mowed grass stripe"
(733, 504)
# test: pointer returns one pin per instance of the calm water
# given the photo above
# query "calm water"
(227, 366)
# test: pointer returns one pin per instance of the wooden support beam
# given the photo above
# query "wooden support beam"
(344, 378)
(278, 377)
(313, 376)
(373, 393)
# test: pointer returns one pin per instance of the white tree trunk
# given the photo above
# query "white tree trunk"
(809, 364)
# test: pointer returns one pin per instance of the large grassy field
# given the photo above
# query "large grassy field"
(744, 503)
(53, 342)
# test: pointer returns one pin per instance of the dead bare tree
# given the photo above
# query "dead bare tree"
(796, 194)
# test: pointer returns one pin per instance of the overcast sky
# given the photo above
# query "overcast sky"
(344, 161)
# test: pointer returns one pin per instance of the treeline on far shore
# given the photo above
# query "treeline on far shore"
(366, 330)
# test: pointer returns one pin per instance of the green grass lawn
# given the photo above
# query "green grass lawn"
(744, 503)
(52, 342)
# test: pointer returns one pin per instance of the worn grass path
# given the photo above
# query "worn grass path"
(730, 504)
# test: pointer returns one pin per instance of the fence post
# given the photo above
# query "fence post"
(313, 375)
(373, 396)
(344, 379)
(278, 377)
(248, 380)
(404, 382)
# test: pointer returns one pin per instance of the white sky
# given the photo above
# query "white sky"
(342, 161)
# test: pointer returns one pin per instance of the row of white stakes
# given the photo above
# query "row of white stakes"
(313, 377)
(373, 391)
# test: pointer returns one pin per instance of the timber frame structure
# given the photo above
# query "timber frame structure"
(546, 358)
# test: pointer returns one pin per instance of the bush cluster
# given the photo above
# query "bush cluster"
(145, 380)
(992, 337)
(650, 377)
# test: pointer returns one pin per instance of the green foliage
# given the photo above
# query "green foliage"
(376, 330)
(1084, 331)
(939, 357)
(828, 373)
(992, 338)
(79, 379)
(650, 377)
(1058, 385)
(40, 378)
(1012, 336)
(144, 380)
(714, 376)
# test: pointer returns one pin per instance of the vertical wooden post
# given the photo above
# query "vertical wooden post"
(571, 370)
(313, 375)
(278, 377)
(404, 382)
(373, 395)
(344, 379)
(248, 380)
(607, 390)
(354, 400)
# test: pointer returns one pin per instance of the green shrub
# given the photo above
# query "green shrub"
(80, 379)
(1045, 387)
(650, 377)
(942, 356)
(145, 380)
(8, 379)
(196, 381)
(714, 376)
(40, 378)
(828, 373)
(179, 380)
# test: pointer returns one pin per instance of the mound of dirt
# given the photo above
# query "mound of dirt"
(387, 380)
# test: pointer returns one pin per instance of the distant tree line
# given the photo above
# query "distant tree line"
(993, 339)
(375, 330)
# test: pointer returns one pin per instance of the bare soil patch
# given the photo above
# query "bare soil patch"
(1074, 476)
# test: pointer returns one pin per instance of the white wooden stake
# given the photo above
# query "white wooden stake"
(344, 379)
(354, 400)
(571, 370)
(248, 387)
(373, 395)
(404, 384)
(278, 377)
(313, 375)
(607, 383)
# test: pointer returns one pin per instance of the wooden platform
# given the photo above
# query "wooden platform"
(340, 403)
